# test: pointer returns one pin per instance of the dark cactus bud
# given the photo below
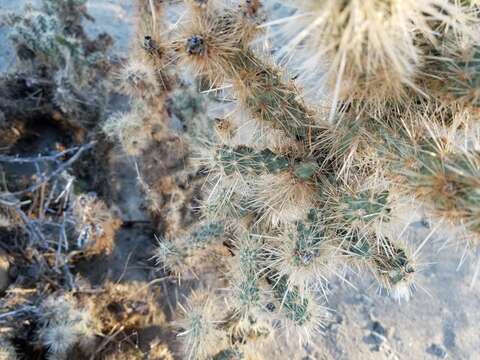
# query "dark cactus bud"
(195, 45)
(148, 43)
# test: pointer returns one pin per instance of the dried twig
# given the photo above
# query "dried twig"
(44, 178)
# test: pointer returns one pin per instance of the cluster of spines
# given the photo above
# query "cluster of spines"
(181, 255)
(425, 142)
(352, 44)
(248, 161)
(443, 176)
(217, 46)
(62, 325)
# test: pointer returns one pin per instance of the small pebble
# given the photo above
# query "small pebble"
(378, 328)
(438, 351)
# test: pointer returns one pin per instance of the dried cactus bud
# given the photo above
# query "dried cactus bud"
(195, 45)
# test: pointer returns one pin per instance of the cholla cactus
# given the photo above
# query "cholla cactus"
(153, 132)
(51, 38)
(54, 33)
(146, 79)
(370, 51)
(7, 350)
(200, 324)
(454, 69)
(184, 255)
(63, 324)
(298, 189)
(440, 166)
(303, 192)
(280, 191)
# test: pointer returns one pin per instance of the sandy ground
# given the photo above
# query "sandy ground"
(442, 321)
